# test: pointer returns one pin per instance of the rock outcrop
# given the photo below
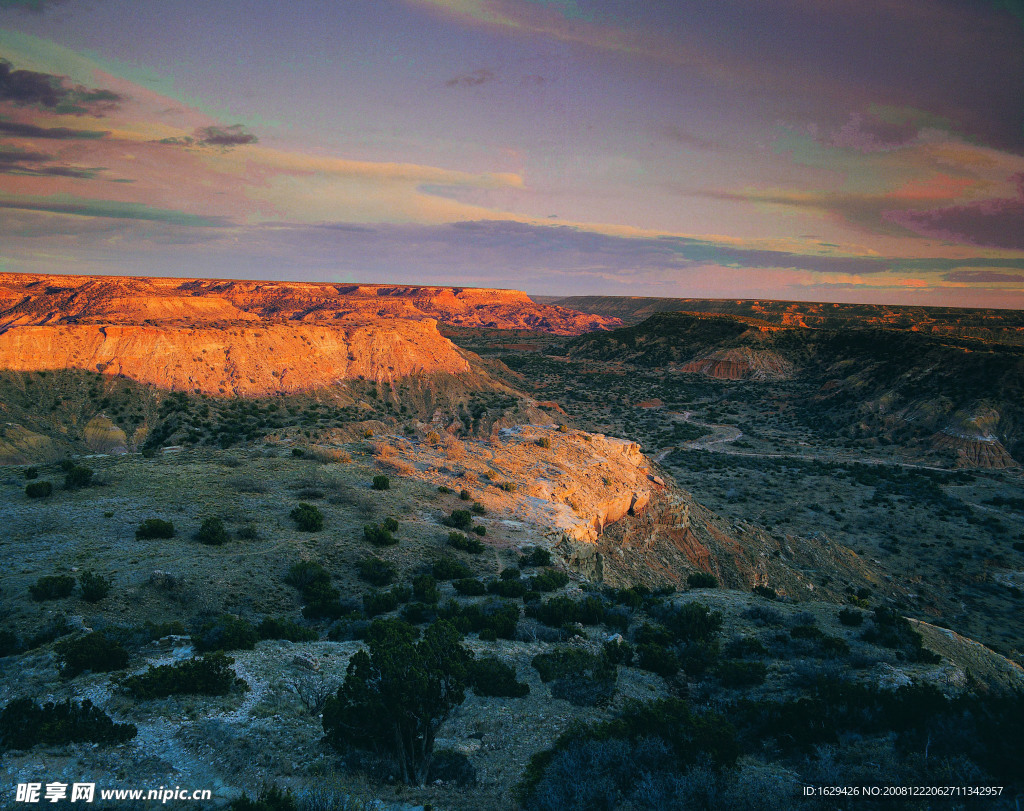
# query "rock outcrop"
(33, 300)
(241, 360)
(741, 363)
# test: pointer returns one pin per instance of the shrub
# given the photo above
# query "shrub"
(560, 611)
(418, 613)
(381, 602)
(209, 675)
(479, 530)
(702, 580)
(397, 694)
(271, 628)
(94, 652)
(31, 472)
(693, 622)
(741, 674)
(305, 573)
(765, 591)
(618, 651)
(270, 798)
(535, 556)
(451, 767)
(464, 495)
(497, 615)
(52, 587)
(460, 519)
(424, 588)
(488, 635)
(307, 518)
(378, 535)
(248, 532)
(226, 633)
(851, 617)
(658, 659)
(549, 580)
(478, 509)
(560, 662)
(470, 587)
(508, 588)
(77, 477)
(9, 644)
(461, 542)
(94, 586)
(38, 489)
(544, 442)
(381, 483)
(154, 528)
(24, 724)
(377, 572)
(450, 569)
(212, 532)
(508, 487)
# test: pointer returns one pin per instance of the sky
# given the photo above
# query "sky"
(823, 150)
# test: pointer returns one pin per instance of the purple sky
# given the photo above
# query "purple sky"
(850, 150)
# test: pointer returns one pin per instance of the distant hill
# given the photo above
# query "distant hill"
(1005, 326)
(965, 392)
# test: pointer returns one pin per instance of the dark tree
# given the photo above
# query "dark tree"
(398, 693)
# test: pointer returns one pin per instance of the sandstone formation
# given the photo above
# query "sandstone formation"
(740, 363)
(33, 299)
(241, 360)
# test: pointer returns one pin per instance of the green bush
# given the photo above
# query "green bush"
(497, 615)
(424, 588)
(376, 603)
(209, 675)
(271, 628)
(560, 662)
(378, 535)
(418, 613)
(381, 483)
(511, 589)
(94, 652)
(477, 508)
(489, 677)
(305, 574)
(701, 580)
(31, 472)
(765, 591)
(741, 674)
(464, 544)
(585, 689)
(460, 519)
(464, 495)
(450, 569)
(38, 489)
(212, 532)
(270, 798)
(535, 556)
(226, 633)
(154, 528)
(659, 659)
(377, 572)
(77, 477)
(851, 617)
(544, 442)
(9, 643)
(24, 724)
(94, 586)
(560, 611)
(618, 652)
(52, 587)
(470, 587)
(479, 530)
(549, 580)
(307, 518)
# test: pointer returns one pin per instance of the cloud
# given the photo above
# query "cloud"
(45, 90)
(235, 135)
(20, 130)
(984, 277)
(111, 209)
(18, 162)
(473, 79)
(995, 223)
